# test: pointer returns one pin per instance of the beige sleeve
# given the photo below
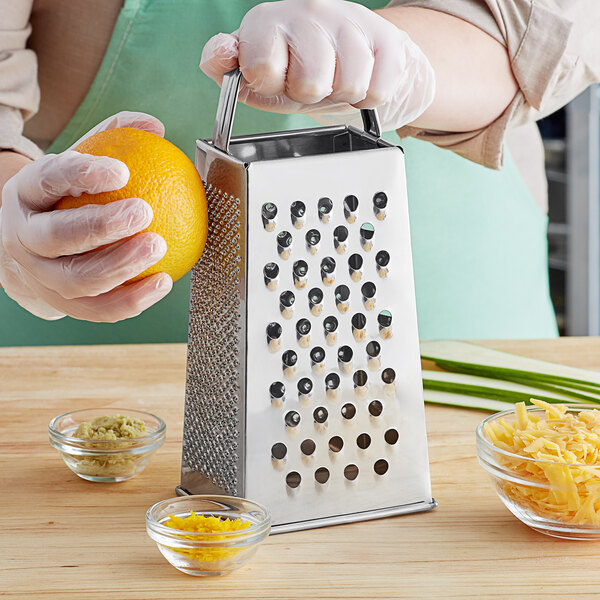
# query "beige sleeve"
(554, 49)
(19, 91)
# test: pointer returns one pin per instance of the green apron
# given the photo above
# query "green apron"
(479, 240)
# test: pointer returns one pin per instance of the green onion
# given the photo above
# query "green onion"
(484, 383)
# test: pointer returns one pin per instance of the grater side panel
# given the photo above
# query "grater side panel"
(213, 441)
(306, 458)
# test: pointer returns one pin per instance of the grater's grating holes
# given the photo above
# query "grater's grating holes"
(391, 436)
(380, 200)
(320, 415)
(381, 467)
(336, 443)
(363, 441)
(293, 479)
(375, 408)
(388, 375)
(351, 472)
(279, 451)
(212, 429)
(325, 206)
(292, 419)
(360, 378)
(348, 411)
(277, 390)
(322, 475)
(307, 447)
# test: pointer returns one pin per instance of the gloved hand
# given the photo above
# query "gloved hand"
(48, 261)
(324, 56)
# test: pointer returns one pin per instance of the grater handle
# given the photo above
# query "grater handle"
(226, 111)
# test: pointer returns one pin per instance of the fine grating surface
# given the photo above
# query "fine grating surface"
(212, 444)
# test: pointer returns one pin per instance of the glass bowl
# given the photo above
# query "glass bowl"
(545, 495)
(205, 554)
(105, 460)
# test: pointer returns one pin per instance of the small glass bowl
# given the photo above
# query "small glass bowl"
(206, 554)
(105, 460)
(525, 494)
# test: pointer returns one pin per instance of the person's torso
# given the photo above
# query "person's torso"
(478, 239)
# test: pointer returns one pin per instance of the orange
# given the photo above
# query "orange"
(163, 176)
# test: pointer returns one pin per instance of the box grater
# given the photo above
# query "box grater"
(303, 386)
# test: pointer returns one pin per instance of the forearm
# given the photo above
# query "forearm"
(474, 80)
(10, 164)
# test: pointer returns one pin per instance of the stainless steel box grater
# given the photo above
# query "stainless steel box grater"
(303, 376)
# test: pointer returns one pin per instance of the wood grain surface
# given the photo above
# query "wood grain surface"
(65, 538)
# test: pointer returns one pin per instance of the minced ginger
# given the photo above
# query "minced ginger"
(563, 452)
(116, 427)
(200, 524)
(105, 429)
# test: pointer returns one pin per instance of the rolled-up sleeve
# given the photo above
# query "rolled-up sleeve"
(554, 50)
(19, 90)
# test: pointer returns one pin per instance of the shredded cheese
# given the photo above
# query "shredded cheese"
(563, 461)
(201, 524)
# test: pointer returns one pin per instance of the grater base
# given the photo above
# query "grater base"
(368, 515)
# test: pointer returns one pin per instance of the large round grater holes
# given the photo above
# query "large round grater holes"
(271, 274)
(279, 451)
(315, 301)
(328, 270)
(340, 239)
(332, 384)
(350, 208)
(307, 447)
(274, 331)
(348, 411)
(380, 201)
(320, 415)
(300, 271)
(277, 393)
(374, 356)
(330, 325)
(325, 207)
(292, 419)
(363, 441)
(382, 259)
(303, 332)
(268, 213)
(289, 359)
(336, 443)
(367, 232)
(351, 472)
(355, 263)
(384, 318)
(375, 408)
(293, 479)
(286, 304)
(360, 383)
(359, 322)
(342, 296)
(381, 467)
(284, 244)
(345, 354)
(388, 375)
(313, 237)
(373, 349)
(368, 290)
(298, 214)
(305, 387)
(317, 359)
(322, 475)
(391, 436)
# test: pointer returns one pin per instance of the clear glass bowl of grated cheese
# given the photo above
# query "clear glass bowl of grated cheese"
(544, 461)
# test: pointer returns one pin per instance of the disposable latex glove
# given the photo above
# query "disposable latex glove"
(323, 57)
(46, 263)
